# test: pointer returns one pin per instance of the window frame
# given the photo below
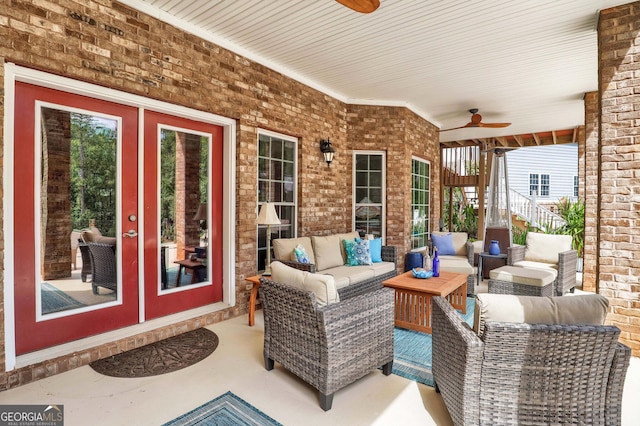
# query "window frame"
(539, 185)
(383, 189)
(280, 205)
(427, 228)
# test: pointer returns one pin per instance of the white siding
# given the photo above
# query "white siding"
(560, 162)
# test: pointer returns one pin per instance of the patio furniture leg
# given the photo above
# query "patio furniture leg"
(326, 401)
(386, 369)
(268, 363)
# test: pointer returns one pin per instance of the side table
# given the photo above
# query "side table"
(486, 255)
(255, 280)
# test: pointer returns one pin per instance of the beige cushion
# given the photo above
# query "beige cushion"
(514, 274)
(538, 265)
(546, 247)
(353, 274)
(95, 231)
(459, 241)
(327, 251)
(381, 268)
(93, 237)
(323, 286)
(456, 264)
(283, 248)
(589, 309)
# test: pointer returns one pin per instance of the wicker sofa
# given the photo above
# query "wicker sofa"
(327, 346)
(530, 370)
(327, 256)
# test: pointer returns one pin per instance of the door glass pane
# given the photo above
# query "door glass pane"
(184, 208)
(77, 212)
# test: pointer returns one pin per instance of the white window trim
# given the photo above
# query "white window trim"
(289, 138)
(14, 73)
(384, 190)
(413, 157)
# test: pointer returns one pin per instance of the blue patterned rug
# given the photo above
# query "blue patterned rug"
(412, 351)
(225, 410)
(54, 300)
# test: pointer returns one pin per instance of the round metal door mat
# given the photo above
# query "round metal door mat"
(161, 357)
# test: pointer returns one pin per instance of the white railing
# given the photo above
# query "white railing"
(543, 218)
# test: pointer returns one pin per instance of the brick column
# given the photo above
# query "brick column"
(619, 154)
(187, 195)
(55, 204)
(589, 190)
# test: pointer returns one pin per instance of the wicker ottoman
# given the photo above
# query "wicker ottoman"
(521, 281)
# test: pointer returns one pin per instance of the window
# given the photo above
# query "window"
(369, 187)
(277, 183)
(539, 184)
(420, 206)
(575, 186)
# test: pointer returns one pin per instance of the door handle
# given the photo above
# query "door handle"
(131, 233)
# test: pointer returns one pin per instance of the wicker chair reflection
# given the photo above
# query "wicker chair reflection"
(103, 266)
(331, 346)
(86, 260)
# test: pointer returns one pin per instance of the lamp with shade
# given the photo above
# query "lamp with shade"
(268, 217)
(201, 217)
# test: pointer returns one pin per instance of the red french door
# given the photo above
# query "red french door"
(183, 199)
(75, 166)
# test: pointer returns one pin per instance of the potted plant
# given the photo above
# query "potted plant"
(573, 214)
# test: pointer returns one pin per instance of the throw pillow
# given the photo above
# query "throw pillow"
(444, 244)
(301, 254)
(358, 253)
(375, 246)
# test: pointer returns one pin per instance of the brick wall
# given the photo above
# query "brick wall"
(107, 43)
(401, 134)
(55, 205)
(589, 190)
(619, 155)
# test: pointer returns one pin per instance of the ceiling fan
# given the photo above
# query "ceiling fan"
(476, 121)
(362, 6)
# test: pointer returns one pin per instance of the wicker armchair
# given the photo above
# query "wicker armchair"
(331, 346)
(565, 262)
(527, 373)
(103, 267)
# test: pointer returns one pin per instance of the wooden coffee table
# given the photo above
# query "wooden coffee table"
(413, 297)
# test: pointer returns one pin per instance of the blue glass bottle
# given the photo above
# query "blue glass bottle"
(436, 263)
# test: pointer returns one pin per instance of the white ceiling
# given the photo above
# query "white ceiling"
(528, 62)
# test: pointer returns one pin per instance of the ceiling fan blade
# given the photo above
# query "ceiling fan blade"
(362, 6)
(456, 128)
(493, 125)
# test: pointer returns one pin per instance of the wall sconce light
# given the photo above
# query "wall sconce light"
(327, 151)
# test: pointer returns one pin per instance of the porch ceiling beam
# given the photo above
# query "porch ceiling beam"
(502, 140)
(519, 140)
(555, 138)
(575, 135)
(536, 138)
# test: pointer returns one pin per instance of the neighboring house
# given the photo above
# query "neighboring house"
(549, 171)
